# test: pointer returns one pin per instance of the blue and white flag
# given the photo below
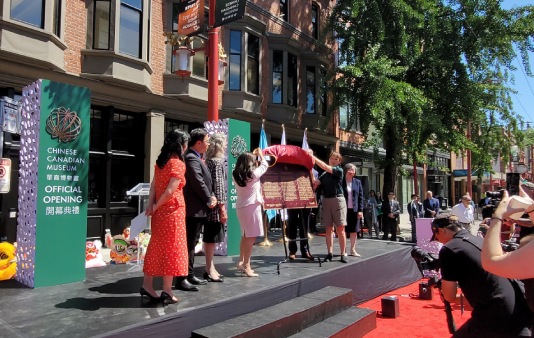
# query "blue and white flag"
(263, 144)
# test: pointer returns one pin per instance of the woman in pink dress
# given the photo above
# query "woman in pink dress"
(246, 177)
(167, 254)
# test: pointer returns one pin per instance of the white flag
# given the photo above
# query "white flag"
(283, 212)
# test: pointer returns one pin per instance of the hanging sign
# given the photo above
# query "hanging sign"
(11, 115)
(5, 175)
(191, 17)
(227, 11)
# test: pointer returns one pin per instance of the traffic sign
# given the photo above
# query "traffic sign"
(5, 175)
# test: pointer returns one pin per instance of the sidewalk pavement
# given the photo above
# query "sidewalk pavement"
(406, 226)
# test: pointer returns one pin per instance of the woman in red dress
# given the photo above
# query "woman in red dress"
(167, 254)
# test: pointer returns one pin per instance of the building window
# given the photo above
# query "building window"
(315, 21)
(234, 67)
(310, 90)
(121, 26)
(278, 76)
(199, 59)
(101, 25)
(324, 90)
(28, 11)
(56, 19)
(116, 143)
(131, 27)
(244, 46)
(343, 116)
(253, 64)
(171, 125)
(284, 10)
(348, 121)
(292, 80)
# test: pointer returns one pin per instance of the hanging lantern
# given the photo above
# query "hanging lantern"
(182, 56)
(222, 64)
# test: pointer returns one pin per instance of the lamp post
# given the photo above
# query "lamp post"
(213, 65)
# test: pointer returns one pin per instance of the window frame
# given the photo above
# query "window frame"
(125, 4)
(115, 28)
(284, 10)
(278, 74)
(246, 59)
(314, 21)
(95, 25)
(311, 70)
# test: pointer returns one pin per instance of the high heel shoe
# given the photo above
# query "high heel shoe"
(241, 268)
(212, 280)
(249, 273)
(168, 299)
(145, 293)
(328, 257)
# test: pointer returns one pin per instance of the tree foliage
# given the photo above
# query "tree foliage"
(419, 73)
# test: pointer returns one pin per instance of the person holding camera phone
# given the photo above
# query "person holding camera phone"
(518, 263)
(499, 306)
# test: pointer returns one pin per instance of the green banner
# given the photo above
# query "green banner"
(63, 170)
(238, 142)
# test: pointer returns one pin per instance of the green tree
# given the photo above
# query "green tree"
(422, 71)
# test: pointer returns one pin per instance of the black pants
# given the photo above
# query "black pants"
(414, 235)
(297, 219)
(390, 225)
(193, 227)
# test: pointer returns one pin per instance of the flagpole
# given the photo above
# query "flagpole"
(265, 241)
(283, 212)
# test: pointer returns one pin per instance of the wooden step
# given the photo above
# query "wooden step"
(351, 323)
(284, 319)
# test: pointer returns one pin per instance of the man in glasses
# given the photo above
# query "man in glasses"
(499, 306)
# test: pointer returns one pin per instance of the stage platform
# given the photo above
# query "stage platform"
(107, 303)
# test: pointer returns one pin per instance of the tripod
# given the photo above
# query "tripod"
(305, 237)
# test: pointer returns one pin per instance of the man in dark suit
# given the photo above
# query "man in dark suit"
(415, 211)
(430, 205)
(390, 214)
(199, 197)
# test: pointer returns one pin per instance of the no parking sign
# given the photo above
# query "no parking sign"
(5, 175)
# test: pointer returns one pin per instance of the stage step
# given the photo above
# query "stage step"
(284, 319)
(351, 323)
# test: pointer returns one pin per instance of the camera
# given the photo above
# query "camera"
(425, 260)
(495, 195)
(509, 245)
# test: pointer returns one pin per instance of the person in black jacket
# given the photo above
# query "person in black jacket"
(415, 211)
(199, 197)
(390, 215)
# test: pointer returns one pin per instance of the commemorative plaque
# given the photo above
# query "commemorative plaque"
(288, 186)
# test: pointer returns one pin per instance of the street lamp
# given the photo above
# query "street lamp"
(181, 61)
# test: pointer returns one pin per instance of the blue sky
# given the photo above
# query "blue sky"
(524, 99)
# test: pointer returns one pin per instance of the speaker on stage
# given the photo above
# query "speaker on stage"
(390, 306)
(425, 291)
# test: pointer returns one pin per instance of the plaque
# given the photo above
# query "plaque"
(288, 186)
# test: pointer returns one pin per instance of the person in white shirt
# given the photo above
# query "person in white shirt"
(465, 212)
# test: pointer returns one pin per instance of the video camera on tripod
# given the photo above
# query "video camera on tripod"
(430, 261)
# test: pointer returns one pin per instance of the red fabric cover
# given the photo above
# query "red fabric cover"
(290, 154)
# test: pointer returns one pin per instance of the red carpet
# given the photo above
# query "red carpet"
(417, 317)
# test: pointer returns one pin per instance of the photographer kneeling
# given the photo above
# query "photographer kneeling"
(499, 307)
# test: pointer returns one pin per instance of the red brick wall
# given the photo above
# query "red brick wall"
(157, 44)
(75, 28)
